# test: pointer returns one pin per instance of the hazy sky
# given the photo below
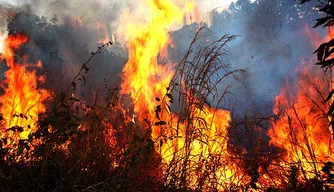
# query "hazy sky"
(208, 4)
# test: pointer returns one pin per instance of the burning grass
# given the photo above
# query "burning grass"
(164, 127)
(178, 149)
(184, 147)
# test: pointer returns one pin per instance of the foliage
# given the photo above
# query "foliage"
(325, 50)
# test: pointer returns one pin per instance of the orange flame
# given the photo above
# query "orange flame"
(302, 129)
(22, 101)
(144, 79)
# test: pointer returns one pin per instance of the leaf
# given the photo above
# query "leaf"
(320, 51)
(157, 111)
(84, 80)
(331, 51)
(160, 123)
(19, 150)
(54, 108)
(321, 21)
(329, 23)
(74, 99)
(26, 146)
(304, 1)
(157, 114)
(202, 141)
(327, 63)
(332, 125)
(330, 110)
(331, 42)
(62, 96)
(326, 52)
(169, 109)
(15, 128)
(86, 69)
(64, 104)
(74, 86)
(327, 168)
(21, 141)
(329, 96)
(170, 96)
(30, 137)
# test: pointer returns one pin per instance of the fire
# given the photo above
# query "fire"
(302, 129)
(144, 78)
(147, 83)
(205, 142)
(22, 101)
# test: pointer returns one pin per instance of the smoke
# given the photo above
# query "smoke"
(270, 43)
(272, 46)
(64, 42)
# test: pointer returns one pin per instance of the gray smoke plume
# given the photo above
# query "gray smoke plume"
(270, 42)
(64, 42)
(270, 45)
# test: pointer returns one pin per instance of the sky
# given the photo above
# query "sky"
(204, 4)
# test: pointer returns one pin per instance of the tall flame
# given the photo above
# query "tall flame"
(303, 128)
(144, 79)
(22, 101)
